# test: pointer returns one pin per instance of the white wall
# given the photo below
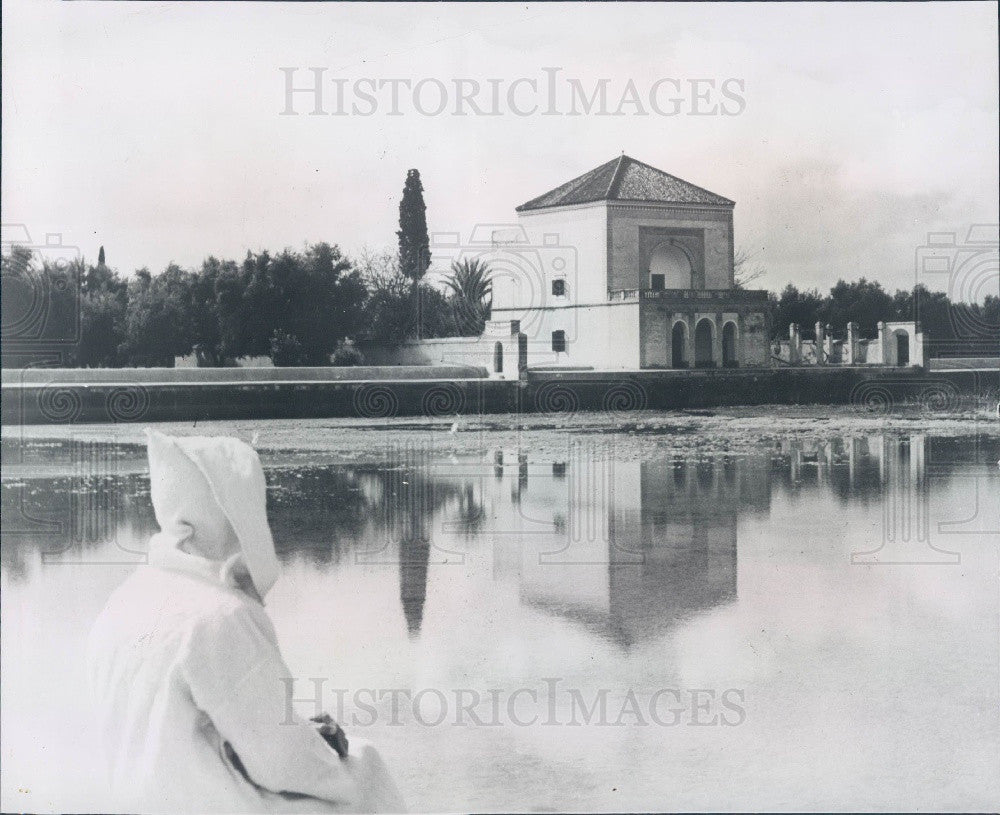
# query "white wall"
(915, 340)
(568, 243)
(475, 351)
(600, 337)
(879, 351)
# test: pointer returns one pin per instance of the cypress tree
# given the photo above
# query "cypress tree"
(414, 245)
(100, 257)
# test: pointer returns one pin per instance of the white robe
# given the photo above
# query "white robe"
(180, 662)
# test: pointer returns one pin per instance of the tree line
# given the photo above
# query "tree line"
(296, 307)
(299, 308)
(302, 307)
(955, 328)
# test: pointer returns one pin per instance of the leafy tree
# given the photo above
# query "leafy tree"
(794, 306)
(101, 278)
(414, 245)
(472, 294)
(103, 297)
(232, 309)
(286, 350)
(863, 302)
(155, 327)
(40, 301)
(314, 296)
(436, 314)
(347, 356)
(343, 292)
(202, 307)
(397, 308)
(102, 326)
(390, 314)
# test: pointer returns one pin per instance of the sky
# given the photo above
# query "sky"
(155, 129)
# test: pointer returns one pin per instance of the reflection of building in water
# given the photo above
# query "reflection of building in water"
(856, 465)
(630, 548)
(906, 526)
(892, 470)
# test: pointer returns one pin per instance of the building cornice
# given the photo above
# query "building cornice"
(695, 209)
(596, 204)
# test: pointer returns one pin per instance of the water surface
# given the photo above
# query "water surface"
(812, 626)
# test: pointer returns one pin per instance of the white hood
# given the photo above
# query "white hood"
(187, 473)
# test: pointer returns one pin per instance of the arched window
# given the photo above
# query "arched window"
(559, 341)
(498, 358)
(669, 268)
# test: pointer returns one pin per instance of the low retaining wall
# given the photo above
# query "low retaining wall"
(68, 403)
(561, 392)
(964, 363)
(131, 376)
(497, 352)
(870, 389)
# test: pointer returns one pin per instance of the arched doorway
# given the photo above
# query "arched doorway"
(669, 268)
(902, 348)
(678, 345)
(729, 345)
(703, 344)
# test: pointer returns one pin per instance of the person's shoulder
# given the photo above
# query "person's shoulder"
(223, 608)
(175, 594)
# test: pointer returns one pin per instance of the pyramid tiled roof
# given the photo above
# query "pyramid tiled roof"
(625, 179)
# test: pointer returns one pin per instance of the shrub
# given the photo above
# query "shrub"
(286, 350)
(347, 356)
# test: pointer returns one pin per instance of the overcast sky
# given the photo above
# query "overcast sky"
(154, 128)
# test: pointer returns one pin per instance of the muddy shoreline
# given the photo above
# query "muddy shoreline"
(625, 435)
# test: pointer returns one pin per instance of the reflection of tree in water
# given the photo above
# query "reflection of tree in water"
(411, 503)
(470, 513)
(323, 513)
(414, 556)
(316, 512)
(67, 517)
(856, 469)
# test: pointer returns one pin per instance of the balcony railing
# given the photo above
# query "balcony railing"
(691, 295)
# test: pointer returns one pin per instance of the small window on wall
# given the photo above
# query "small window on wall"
(559, 341)
(559, 287)
(657, 281)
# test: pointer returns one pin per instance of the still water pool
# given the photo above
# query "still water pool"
(810, 626)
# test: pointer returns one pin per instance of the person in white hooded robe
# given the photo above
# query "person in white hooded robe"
(184, 664)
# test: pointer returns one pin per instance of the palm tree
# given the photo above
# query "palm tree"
(471, 285)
